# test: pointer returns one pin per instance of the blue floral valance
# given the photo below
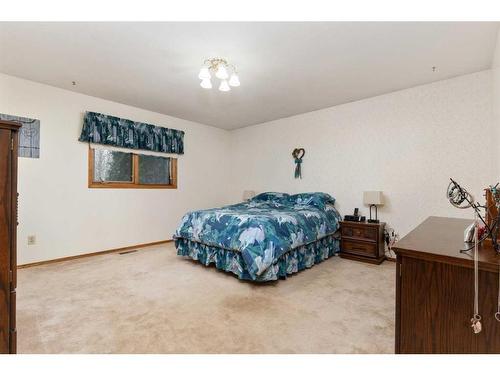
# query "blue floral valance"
(115, 131)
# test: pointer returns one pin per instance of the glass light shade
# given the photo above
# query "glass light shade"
(224, 86)
(234, 80)
(206, 83)
(221, 72)
(204, 73)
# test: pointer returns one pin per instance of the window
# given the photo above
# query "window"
(112, 166)
(117, 169)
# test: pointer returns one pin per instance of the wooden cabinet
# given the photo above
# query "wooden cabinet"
(8, 228)
(435, 291)
(362, 241)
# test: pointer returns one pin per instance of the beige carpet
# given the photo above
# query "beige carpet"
(153, 301)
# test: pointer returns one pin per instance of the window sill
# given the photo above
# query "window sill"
(117, 185)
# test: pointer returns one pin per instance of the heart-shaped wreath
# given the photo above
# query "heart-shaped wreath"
(298, 154)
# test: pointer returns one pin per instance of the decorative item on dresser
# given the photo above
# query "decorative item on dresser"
(8, 226)
(435, 290)
(362, 241)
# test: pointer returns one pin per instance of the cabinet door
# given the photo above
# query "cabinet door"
(5, 232)
(436, 306)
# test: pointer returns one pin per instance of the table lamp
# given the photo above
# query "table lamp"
(373, 199)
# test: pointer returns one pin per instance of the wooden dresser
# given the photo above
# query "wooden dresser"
(8, 228)
(362, 241)
(435, 291)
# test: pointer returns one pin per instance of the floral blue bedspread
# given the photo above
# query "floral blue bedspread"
(264, 228)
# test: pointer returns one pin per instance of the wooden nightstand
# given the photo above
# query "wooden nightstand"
(362, 241)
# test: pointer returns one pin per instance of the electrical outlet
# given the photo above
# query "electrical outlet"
(32, 240)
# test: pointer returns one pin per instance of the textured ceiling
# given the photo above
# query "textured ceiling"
(285, 68)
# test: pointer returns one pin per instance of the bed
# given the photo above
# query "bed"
(268, 237)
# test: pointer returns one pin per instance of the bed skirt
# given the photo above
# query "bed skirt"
(291, 262)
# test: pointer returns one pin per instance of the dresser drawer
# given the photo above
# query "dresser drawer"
(360, 248)
(365, 233)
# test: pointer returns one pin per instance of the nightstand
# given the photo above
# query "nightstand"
(362, 241)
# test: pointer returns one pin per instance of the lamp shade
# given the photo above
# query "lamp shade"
(222, 72)
(373, 197)
(206, 83)
(204, 73)
(224, 86)
(248, 194)
(234, 80)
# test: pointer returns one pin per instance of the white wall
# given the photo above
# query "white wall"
(407, 144)
(67, 217)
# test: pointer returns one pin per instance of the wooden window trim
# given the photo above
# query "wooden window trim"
(135, 177)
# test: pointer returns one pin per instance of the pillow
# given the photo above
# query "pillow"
(271, 197)
(319, 200)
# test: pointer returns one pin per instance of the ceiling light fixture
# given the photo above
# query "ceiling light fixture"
(224, 86)
(206, 83)
(220, 68)
(204, 73)
(234, 80)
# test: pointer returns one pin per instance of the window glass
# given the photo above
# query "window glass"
(112, 166)
(154, 170)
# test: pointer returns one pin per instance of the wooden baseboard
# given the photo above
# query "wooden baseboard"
(65, 259)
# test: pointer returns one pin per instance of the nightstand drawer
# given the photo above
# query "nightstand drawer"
(360, 248)
(365, 233)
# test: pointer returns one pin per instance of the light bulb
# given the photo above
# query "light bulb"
(206, 83)
(224, 86)
(204, 73)
(221, 72)
(234, 80)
